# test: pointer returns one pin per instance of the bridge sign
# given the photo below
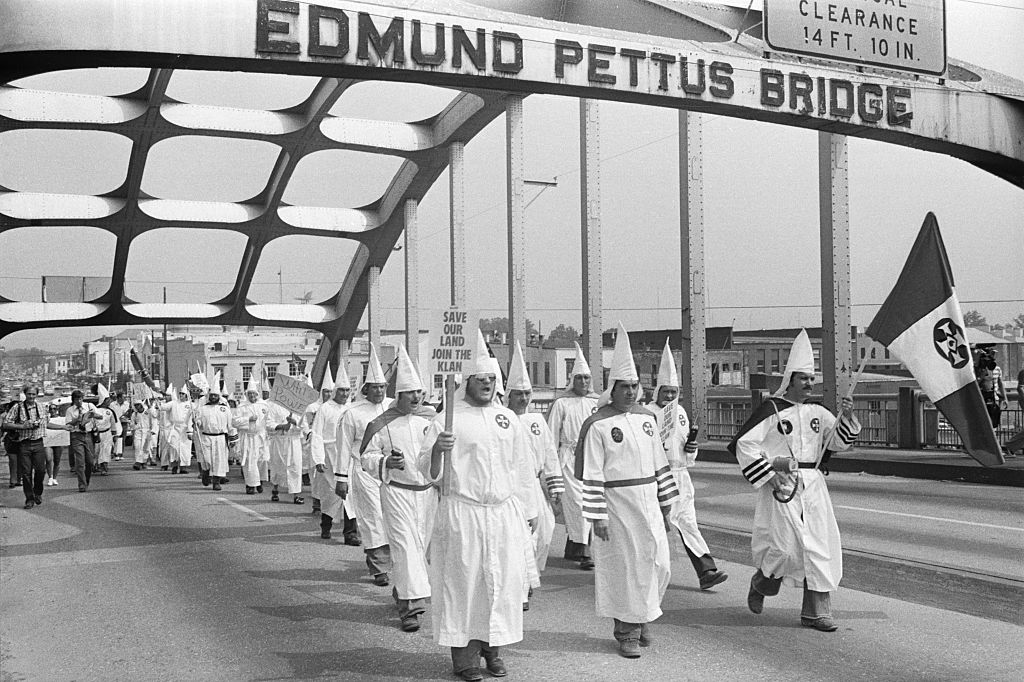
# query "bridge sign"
(905, 35)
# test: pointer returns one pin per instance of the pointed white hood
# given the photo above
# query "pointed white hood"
(623, 368)
(374, 372)
(518, 375)
(801, 359)
(408, 378)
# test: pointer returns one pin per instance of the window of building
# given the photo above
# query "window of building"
(761, 360)
(246, 374)
(873, 353)
(775, 360)
(569, 362)
(294, 368)
(439, 383)
(716, 377)
(863, 352)
(271, 371)
(534, 380)
(887, 354)
(547, 373)
(221, 369)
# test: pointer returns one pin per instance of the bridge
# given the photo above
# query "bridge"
(691, 57)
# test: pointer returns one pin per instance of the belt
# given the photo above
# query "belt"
(410, 486)
(808, 465)
(213, 434)
(31, 440)
(629, 481)
(103, 431)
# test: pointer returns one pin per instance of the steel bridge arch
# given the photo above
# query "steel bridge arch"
(956, 115)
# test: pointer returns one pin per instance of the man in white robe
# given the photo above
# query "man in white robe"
(213, 419)
(779, 451)
(285, 432)
(163, 447)
(477, 569)
(251, 422)
(628, 491)
(177, 416)
(548, 481)
(567, 414)
(680, 443)
(392, 448)
(365, 490)
(324, 451)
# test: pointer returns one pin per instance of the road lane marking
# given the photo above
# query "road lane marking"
(243, 508)
(932, 518)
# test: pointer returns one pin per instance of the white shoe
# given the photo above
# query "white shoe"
(53, 481)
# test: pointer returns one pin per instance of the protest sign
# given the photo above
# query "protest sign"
(293, 394)
(137, 392)
(200, 381)
(668, 418)
(453, 341)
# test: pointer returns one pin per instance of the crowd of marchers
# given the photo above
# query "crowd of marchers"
(455, 505)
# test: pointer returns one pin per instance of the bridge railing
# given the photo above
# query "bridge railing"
(879, 416)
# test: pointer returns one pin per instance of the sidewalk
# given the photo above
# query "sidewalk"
(938, 465)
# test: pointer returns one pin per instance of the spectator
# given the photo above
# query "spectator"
(990, 381)
(29, 421)
(1016, 444)
(56, 439)
(7, 442)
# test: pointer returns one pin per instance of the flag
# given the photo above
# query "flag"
(921, 324)
(299, 363)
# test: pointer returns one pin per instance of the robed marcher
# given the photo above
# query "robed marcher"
(391, 453)
(779, 450)
(478, 574)
(628, 492)
(566, 416)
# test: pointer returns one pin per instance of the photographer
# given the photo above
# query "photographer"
(79, 420)
(990, 381)
(29, 421)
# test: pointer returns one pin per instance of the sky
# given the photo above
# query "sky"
(760, 207)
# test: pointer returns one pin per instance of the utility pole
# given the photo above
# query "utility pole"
(280, 286)
(167, 371)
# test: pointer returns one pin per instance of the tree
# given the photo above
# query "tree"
(499, 325)
(564, 332)
(972, 318)
(1018, 321)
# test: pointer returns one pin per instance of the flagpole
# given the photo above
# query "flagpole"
(849, 394)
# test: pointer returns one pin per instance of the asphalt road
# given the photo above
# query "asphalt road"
(149, 576)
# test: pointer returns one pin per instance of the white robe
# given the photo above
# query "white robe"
(565, 419)
(252, 439)
(363, 488)
(107, 426)
(478, 571)
(799, 540)
(214, 424)
(323, 447)
(546, 468)
(408, 501)
(285, 449)
(681, 455)
(177, 417)
(627, 481)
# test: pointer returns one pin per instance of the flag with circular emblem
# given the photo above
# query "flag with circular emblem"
(921, 324)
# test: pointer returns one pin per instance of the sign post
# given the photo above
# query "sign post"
(452, 348)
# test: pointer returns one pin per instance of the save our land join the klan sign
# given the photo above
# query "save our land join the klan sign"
(453, 341)
(293, 394)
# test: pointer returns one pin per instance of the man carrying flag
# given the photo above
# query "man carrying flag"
(779, 450)
(921, 324)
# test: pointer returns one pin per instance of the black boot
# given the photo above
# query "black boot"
(206, 477)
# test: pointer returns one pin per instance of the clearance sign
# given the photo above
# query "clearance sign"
(533, 58)
(905, 35)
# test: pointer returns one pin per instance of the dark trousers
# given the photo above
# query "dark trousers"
(83, 454)
(378, 559)
(32, 467)
(351, 528)
(465, 657)
(701, 564)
